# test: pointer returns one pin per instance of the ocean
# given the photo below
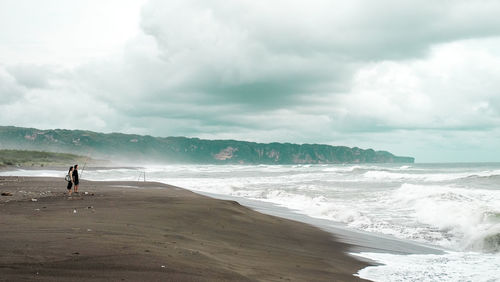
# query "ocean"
(454, 207)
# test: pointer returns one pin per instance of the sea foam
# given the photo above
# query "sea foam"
(452, 266)
(468, 218)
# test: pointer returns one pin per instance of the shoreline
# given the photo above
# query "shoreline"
(359, 241)
(154, 231)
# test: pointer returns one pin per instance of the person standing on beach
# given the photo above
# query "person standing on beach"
(76, 181)
(70, 181)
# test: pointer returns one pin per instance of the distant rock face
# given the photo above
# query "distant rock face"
(129, 147)
(225, 154)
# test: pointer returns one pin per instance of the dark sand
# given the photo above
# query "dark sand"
(359, 241)
(142, 231)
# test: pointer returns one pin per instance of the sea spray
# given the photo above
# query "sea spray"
(467, 218)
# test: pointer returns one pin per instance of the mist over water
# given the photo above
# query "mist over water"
(453, 206)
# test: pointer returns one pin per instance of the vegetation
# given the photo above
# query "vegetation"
(37, 158)
(148, 149)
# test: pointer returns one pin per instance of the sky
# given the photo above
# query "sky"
(414, 78)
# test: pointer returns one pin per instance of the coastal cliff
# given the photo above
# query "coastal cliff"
(118, 146)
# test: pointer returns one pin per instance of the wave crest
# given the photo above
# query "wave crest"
(470, 216)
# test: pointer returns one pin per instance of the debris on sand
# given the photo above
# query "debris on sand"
(34, 200)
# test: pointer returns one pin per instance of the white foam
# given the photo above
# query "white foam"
(28, 172)
(342, 168)
(384, 175)
(486, 173)
(469, 219)
(452, 266)
(426, 177)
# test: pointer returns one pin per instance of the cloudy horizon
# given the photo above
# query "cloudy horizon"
(416, 80)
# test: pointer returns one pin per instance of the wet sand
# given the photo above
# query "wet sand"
(359, 241)
(144, 231)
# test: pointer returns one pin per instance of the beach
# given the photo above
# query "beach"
(148, 231)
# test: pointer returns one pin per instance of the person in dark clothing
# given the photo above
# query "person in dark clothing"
(76, 181)
(70, 181)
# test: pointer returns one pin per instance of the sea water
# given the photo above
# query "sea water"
(453, 206)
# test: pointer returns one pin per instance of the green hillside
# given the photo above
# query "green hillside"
(140, 148)
(37, 158)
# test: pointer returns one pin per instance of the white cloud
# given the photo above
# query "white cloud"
(65, 33)
(394, 75)
(456, 87)
(10, 90)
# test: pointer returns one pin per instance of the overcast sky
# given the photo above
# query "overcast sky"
(415, 78)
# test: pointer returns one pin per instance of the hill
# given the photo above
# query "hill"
(37, 158)
(140, 148)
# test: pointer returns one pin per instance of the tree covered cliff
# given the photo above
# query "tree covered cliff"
(144, 148)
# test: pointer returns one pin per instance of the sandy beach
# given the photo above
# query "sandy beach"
(145, 231)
